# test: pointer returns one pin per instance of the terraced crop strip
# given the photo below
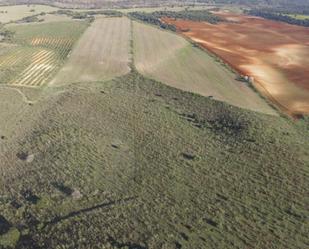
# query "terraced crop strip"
(41, 66)
(15, 59)
(41, 49)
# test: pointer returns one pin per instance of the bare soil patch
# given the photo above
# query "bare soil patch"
(276, 54)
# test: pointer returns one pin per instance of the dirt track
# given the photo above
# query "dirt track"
(274, 53)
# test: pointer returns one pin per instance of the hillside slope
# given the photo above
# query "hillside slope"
(132, 163)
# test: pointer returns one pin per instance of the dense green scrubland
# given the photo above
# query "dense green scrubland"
(132, 163)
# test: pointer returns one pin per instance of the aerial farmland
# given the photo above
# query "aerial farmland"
(169, 58)
(99, 56)
(38, 52)
(250, 44)
(152, 125)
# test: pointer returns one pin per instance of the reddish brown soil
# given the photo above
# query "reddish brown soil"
(276, 54)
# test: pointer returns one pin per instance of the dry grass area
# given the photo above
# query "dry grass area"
(169, 58)
(101, 53)
(166, 8)
(14, 13)
(56, 18)
(274, 53)
(48, 18)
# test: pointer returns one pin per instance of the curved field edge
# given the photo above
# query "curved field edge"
(145, 160)
(169, 58)
(276, 57)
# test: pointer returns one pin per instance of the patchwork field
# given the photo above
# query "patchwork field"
(14, 13)
(170, 59)
(275, 54)
(39, 52)
(102, 53)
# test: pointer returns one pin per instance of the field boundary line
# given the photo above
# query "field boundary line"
(24, 97)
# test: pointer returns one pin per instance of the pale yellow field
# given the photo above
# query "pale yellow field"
(166, 8)
(150, 9)
(56, 18)
(14, 13)
(48, 18)
(170, 59)
(101, 53)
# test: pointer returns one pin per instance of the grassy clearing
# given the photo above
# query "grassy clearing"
(102, 53)
(55, 18)
(46, 19)
(39, 52)
(171, 59)
(232, 8)
(135, 163)
(14, 13)
(299, 17)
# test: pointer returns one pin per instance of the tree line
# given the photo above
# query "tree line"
(151, 18)
(193, 15)
(279, 17)
(154, 18)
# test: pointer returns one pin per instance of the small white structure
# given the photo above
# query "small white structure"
(251, 79)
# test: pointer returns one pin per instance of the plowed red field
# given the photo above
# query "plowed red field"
(276, 54)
